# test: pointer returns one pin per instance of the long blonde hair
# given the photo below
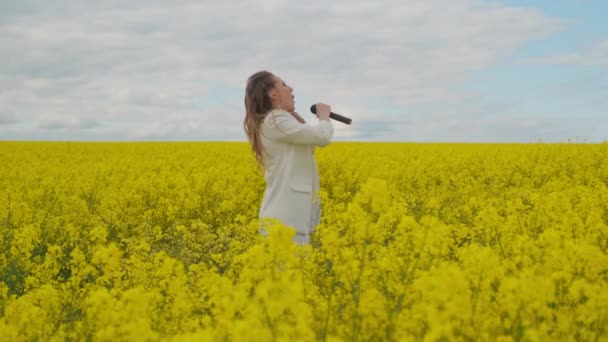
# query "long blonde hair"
(257, 106)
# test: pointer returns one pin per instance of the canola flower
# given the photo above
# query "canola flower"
(431, 242)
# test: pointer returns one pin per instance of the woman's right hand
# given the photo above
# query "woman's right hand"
(323, 110)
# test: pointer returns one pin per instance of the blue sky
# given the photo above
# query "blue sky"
(434, 70)
(564, 92)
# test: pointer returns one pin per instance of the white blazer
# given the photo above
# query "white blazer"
(291, 172)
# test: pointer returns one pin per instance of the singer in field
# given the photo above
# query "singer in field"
(284, 145)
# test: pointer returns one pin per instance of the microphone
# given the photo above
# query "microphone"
(333, 115)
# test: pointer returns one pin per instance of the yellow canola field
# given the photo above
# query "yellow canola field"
(159, 242)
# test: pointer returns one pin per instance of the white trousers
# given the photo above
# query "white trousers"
(299, 238)
(302, 239)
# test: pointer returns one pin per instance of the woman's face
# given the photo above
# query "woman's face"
(282, 95)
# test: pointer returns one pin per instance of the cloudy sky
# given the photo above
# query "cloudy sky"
(403, 70)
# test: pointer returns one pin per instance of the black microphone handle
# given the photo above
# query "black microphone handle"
(333, 115)
(340, 118)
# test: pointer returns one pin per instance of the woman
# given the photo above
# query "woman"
(284, 147)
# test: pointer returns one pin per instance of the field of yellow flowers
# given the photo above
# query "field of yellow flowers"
(159, 241)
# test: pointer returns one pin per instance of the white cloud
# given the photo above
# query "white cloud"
(143, 66)
(8, 119)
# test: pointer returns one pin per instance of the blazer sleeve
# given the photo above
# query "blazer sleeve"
(290, 130)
